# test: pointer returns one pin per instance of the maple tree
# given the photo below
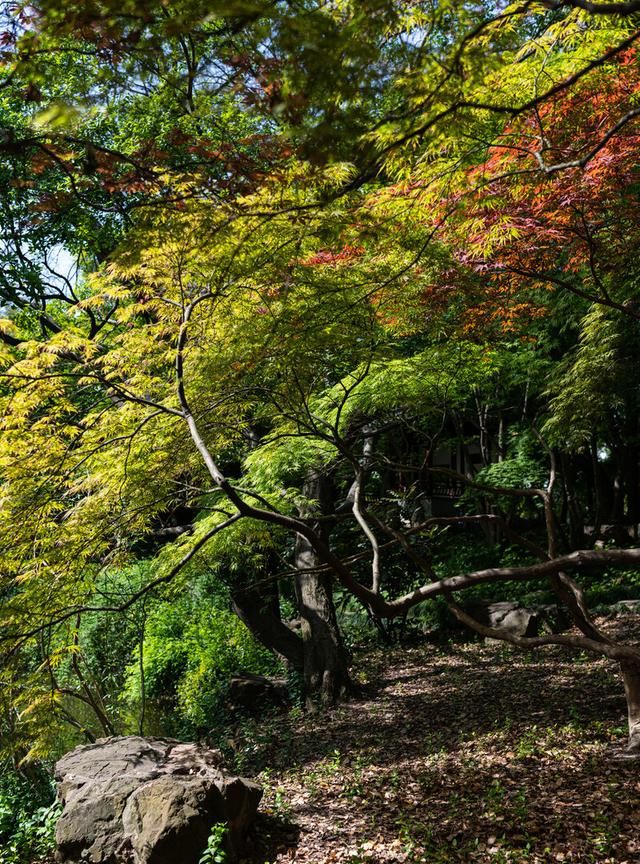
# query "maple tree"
(293, 290)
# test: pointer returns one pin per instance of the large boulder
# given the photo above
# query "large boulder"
(135, 800)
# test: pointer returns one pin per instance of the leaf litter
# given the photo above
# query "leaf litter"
(462, 753)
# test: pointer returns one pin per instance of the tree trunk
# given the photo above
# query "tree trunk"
(258, 607)
(632, 488)
(598, 489)
(502, 450)
(574, 512)
(326, 670)
(617, 509)
(631, 678)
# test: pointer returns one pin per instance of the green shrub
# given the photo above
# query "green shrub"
(605, 589)
(28, 816)
(192, 647)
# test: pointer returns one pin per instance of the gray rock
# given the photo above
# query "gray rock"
(509, 617)
(254, 693)
(518, 620)
(134, 800)
(626, 607)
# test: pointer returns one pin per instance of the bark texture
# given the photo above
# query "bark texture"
(258, 607)
(326, 669)
(631, 678)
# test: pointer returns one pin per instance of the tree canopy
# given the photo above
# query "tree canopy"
(264, 268)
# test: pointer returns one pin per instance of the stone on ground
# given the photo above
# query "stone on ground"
(135, 800)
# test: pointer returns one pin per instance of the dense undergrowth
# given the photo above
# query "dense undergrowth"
(28, 814)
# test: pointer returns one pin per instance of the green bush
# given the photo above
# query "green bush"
(192, 647)
(605, 589)
(28, 816)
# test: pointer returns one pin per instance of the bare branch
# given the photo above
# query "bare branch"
(582, 643)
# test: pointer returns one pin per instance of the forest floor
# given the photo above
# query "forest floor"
(461, 753)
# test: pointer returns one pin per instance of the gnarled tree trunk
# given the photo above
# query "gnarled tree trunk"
(326, 670)
(257, 604)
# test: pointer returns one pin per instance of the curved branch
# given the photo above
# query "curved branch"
(583, 643)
